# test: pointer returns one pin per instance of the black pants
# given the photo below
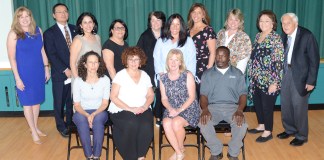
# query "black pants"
(132, 134)
(264, 105)
(158, 108)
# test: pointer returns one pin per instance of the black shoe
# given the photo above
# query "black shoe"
(65, 133)
(231, 157)
(217, 157)
(283, 135)
(264, 139)
(297, 142)
(96, 158)
(254, 131)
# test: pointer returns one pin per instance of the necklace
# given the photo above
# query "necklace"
(30, 36)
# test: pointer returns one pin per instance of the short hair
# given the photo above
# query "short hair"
(223, 48)
(292, 15)
(131, 52)
(179, 55)
(15, 26)
(271, 15)
(159, 15)
(167, 33)
(238, 14)
(59, 4)
(205, 20)
(82, 70)
(79, 30)
(112, 25)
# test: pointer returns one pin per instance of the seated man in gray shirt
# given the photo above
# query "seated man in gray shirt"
(223, 97)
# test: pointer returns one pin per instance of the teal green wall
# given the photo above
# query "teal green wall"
(134, 13)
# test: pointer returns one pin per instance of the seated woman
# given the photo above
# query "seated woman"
(90, 95)
(131, 97)
(178, 92)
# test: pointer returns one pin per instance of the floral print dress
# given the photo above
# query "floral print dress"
(265, 66)
(202, 52)
(177, 93)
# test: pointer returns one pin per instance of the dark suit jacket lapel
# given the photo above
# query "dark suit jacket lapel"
(72, 30)
(297, 39)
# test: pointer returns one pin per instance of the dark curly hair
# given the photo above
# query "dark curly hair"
(131, 52)
(79, 30)
(82, 70)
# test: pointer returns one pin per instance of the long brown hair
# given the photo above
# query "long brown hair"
(206, 18)
(15, 26)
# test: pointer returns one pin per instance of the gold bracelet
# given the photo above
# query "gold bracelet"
(46, 65)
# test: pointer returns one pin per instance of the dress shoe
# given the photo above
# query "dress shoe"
(65, 133)
(283, 135)
(297, 142)
(254, 131)
(263, 139)
(216, 157)
(231, 157)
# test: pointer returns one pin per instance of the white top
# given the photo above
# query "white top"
(134, 95)
(228, 39)
(89, 95)
(292, 43)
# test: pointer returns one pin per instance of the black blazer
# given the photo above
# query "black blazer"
(305, 59)
(57, 51)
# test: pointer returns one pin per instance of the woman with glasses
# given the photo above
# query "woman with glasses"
(114, 46)
(86, 40)
(130, 108)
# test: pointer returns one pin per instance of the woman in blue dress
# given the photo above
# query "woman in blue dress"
(29, 65)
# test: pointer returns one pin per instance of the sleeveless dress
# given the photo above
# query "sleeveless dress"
(117, 50)
(89, 46)
(177, 93)
(31, 70)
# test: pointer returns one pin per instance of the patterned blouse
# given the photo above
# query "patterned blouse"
(266, 64)
(240, 45)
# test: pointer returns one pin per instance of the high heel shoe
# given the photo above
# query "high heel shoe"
(38, 142)
(42, 134)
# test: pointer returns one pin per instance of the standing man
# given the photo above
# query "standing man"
(300, 73)
(223, 97)
(57, 41)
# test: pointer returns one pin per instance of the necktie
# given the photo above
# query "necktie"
(286, 52)
(67, 37)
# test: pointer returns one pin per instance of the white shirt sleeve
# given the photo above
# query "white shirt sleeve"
(241, 65)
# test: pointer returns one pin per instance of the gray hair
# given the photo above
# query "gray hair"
(292, 15)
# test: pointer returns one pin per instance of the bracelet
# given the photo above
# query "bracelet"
(46, 65)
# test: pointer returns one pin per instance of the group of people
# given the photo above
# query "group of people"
(196, 75)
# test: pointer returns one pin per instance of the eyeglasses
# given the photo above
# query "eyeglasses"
(62, 12)
(119, 28)
(134, 60)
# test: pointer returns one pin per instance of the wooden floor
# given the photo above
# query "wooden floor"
(16, 142)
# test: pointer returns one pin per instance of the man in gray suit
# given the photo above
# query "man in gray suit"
(300, 73)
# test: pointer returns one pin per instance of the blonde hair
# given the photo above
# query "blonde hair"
(15, 26)
(179, 55)
(239, 15)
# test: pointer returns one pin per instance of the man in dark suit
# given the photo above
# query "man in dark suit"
(300, 73)
(57, 40)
